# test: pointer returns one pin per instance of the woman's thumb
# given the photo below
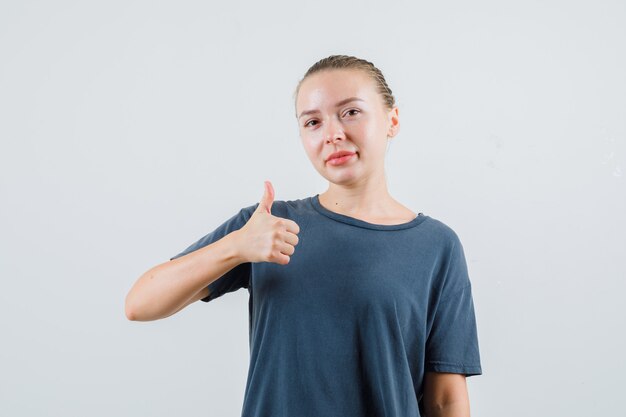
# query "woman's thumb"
(268, 198)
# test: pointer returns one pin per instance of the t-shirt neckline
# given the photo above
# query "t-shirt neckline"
(362, 223)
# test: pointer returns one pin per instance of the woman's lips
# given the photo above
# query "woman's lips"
(341, 160)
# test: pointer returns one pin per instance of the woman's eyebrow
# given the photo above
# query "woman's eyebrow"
(340, 103)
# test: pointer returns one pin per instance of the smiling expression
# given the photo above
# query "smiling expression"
(341, 110)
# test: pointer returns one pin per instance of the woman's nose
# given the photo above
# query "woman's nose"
(333, 131)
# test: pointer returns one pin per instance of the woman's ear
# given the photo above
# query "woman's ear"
(394, 122)
(393, 130)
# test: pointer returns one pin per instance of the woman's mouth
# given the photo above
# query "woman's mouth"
(340, 160)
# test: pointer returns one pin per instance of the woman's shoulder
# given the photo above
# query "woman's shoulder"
(441, 231)
(283, 208)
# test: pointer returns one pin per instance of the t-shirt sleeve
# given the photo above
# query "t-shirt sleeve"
(239, 276)
(452, 343)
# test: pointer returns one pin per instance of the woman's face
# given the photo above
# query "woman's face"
(341, 110)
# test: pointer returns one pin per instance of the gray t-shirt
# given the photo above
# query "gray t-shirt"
(350, 325)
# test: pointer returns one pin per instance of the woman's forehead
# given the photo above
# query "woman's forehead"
(331, 86)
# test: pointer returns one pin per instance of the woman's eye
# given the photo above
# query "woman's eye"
(309, 122)
(352, 110)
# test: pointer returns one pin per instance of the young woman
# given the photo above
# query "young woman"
(358, 306)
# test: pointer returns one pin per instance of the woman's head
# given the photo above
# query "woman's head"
(343, 103)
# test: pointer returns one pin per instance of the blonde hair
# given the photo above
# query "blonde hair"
(351, 62)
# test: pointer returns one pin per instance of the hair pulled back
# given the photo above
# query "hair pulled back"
(351, 62)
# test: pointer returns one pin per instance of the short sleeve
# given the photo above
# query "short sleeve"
(239, 276)
(452, 343)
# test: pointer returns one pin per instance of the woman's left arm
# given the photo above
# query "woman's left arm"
(445, 395)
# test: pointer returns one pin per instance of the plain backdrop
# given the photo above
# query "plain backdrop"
(129, 129)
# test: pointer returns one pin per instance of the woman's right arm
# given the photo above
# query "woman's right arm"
(169, 287)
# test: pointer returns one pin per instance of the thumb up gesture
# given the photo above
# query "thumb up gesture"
(267, 238)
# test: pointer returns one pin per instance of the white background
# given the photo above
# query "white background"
(129, 129)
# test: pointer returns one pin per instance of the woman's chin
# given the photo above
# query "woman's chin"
(342, 178)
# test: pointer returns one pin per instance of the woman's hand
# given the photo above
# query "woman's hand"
(267, 238)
